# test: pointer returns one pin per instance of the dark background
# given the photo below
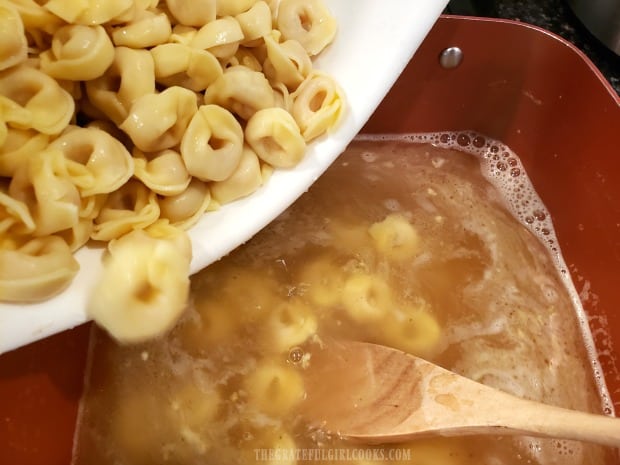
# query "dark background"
(553, 15)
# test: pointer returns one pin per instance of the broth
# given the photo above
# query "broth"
(400, 242)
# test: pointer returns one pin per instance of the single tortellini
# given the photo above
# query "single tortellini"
(395, 237)
(78, 53)
(221, 37)
(366, 297)
(322, 281)
(414, 330)
(17, 147)
(36, 99)
(13, 43)
(163, 172)
(273, 388)
(191, 12)
(290, 324)
(144, 285)
(185, 209)
(97, 163)
(275, 137)
(88, 12)
(255, 23)
(309, 22)
(44, 185)
(242, 91)
(132, 206)
(246, 179)
(213, 144)
(36, 270)
(130, 76)
(148, 29)
(158, 121)
(179, 64)
(287, 62)
(317, 105)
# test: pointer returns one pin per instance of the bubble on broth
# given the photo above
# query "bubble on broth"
(505, 171)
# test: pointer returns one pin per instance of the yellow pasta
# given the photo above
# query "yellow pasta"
(88, 11)
(287, 63)
(96, 162)
(232, 7)
(13, 43)
(255, 23)
(307, 21)
(242, 91)
(14, 217)
(290, 324)
(275, 137)
(366, 298)
(42, 183)
(395, 237)
(191, 12)
(212, 144)
(414, 330)
(131, 207)
(246, 178)
(221, 37)
(182, 65)
(182, 106)
(185, 209)
(78, 53)
(17, 147)
(322, 282)
(150, 283)
(147, 29)
(273, 388)
(35, 17)
(317, 105)
(130, 76)
(35, 100)
(163, 172)
(35, 270)
(158, 121)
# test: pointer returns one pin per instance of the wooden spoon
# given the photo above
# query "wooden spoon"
(375, 394)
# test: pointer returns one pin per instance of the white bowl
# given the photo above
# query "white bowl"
(374, 43)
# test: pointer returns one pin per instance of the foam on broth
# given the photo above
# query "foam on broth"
(479, 295)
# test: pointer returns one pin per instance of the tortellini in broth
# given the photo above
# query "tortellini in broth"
(121, 116)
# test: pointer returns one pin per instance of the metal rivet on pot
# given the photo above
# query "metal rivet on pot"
(451, 57)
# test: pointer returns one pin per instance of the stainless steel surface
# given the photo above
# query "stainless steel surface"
(602, 18)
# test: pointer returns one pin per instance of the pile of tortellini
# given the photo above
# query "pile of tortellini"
(124, 121)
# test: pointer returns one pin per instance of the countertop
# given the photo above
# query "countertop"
(555, 16)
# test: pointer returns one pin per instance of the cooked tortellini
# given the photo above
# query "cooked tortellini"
(274, 388)
(119, 116)
(36, 269)
(78, 53)
(395, 237)
(144, 285)
(307, 21)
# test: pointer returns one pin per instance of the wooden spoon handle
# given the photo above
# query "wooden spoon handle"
(523, 416)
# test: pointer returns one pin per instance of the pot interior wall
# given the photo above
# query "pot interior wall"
(516, 84)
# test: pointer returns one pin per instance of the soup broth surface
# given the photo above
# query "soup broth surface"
(401, 242)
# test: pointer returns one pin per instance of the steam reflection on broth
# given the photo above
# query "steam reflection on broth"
(400, 242)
